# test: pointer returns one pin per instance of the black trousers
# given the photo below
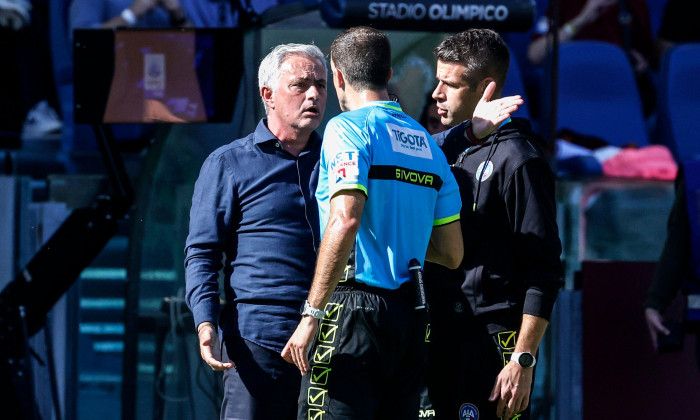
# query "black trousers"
(462, 369)
(368, 357)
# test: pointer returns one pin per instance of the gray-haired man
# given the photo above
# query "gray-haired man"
(254, 205)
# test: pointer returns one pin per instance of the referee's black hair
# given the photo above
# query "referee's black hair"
(482, 51)
(363, 55)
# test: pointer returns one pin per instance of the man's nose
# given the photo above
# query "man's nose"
(313, 92)
(437, 93)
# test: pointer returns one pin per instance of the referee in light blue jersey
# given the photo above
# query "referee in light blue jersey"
(386, 196)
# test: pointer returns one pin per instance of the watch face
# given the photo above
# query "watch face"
(525, 360)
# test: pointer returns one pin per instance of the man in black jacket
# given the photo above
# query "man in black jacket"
(489, 316)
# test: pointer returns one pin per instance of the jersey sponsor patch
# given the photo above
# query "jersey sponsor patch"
(486, 171)
(409, 142)
(345, 167)
(398, 173)
(427, 413)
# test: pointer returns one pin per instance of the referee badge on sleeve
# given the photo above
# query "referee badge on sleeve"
(345, 167)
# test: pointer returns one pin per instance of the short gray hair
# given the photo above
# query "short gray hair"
(269, 71)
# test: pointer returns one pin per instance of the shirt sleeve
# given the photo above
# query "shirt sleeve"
(346, 155)
(211, 216)
(449, 203)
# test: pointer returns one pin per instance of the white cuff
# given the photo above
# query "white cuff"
(129, 17)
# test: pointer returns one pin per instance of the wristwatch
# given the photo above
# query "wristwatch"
(524, 359)
(307, 309)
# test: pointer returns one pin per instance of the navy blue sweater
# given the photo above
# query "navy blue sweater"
(254, 214)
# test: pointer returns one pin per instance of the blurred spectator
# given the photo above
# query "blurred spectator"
(123, 13)
(672, 266)
(29, 94)
(41, 121)
(625, 23)
(429, 118)
(677, 268)
(14, 14)
(679, 25)
(166, 13)
(227, 13)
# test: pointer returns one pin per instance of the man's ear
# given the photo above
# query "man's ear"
(391, 73)
(339, 79)
(482, 85)
(267, 96)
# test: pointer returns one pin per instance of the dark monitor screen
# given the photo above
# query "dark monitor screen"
(156, 75)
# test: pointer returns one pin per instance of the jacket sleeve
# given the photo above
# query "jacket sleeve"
(531, 205)
(452, 142)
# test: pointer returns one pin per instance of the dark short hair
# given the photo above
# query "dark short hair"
(363, 54)
(482, 51)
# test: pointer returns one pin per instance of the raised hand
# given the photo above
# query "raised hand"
(489, 114)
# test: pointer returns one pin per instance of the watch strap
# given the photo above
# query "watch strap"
(312, 312)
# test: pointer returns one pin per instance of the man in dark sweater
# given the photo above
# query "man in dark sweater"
(494, 308)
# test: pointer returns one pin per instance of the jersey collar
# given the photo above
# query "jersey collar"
(386, 104)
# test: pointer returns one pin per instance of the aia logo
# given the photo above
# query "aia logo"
(483, 173)
(468, 412)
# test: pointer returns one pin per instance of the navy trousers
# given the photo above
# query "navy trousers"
(262, 385)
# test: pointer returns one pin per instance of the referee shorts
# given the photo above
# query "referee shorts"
(368, 358)
(462, 371)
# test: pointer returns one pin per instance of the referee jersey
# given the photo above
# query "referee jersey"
(387, 155)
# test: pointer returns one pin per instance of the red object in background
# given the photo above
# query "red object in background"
(650, 162)
(623, 377)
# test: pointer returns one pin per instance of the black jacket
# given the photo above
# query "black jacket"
(512, 249)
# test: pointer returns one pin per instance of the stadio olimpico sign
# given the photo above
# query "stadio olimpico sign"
(437, 16)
